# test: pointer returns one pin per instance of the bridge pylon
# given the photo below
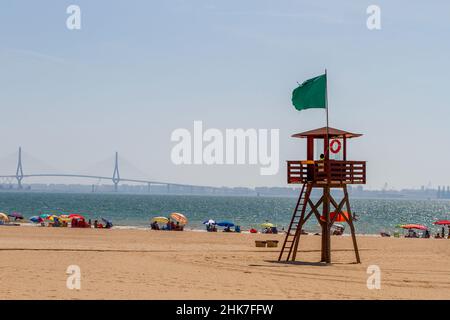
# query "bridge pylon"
(19, 171)
(116, 174)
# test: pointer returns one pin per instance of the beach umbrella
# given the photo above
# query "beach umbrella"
(45, 215)
(179, 217)
(16, 215)
(267, 225)
(225, 224)
(76, 216)
(52, 217)
(3, 217)
(413, 226)
(107, 221)
(35, 219)
(160, 219)
(339, 218)
(210, 221)
(338, 225)
(442, 222)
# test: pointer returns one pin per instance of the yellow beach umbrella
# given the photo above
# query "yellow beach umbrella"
(4, 217)
(160, 219)
(179, 217)
(267, 225)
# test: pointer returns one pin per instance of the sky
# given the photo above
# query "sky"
(138, 70)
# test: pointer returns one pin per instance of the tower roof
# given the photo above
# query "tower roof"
(322, 132)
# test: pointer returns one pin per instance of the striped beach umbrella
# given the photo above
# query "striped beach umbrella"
(179, 217)
(4, 217)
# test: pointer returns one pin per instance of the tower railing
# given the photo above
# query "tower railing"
(326, 172)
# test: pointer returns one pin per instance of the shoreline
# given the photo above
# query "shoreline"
(135, 264)
(131, 227)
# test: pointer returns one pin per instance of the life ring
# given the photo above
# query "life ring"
(335, 146)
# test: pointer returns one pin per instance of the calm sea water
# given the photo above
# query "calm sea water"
(136, 210)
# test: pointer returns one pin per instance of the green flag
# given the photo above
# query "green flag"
(311, 93)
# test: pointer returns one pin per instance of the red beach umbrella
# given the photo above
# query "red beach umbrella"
(76, 216)
(413, 226)
(442, 222)
(339, 218)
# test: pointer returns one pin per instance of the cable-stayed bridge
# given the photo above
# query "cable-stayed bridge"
(115, 178)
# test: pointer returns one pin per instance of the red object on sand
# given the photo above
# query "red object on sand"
(442, 222)
(253, 231)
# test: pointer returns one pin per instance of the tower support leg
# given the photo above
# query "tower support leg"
(326, 243)
(352, 227)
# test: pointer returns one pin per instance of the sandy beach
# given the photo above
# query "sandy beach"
(143, 264)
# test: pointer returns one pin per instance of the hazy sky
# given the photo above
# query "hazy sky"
(137, 70)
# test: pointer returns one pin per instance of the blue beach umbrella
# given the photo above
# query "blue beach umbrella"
(35, 219)
(225, 224)
(107, 221)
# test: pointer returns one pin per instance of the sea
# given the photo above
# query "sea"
(136, 210)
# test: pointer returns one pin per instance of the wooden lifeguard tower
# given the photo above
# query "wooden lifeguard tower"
(333, 171)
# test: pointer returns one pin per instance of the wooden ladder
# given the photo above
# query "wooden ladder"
(294, 230)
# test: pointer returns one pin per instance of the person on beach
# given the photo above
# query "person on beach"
(443, 232)
(321, 165)
(338, 231)
(95, 224)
